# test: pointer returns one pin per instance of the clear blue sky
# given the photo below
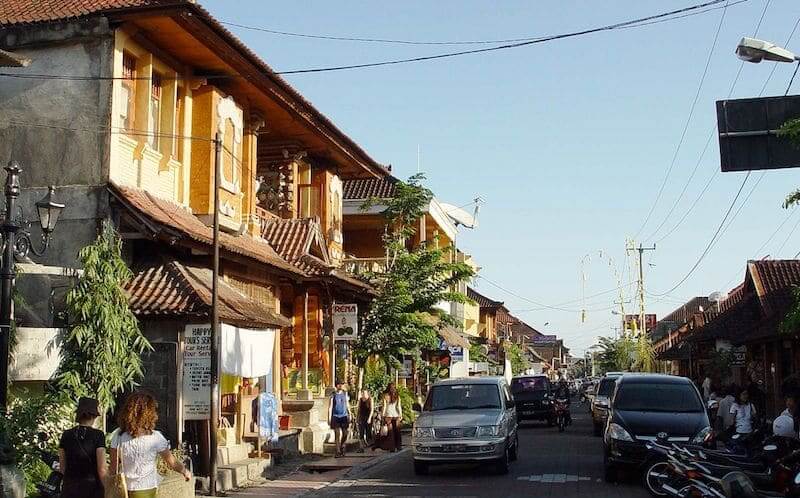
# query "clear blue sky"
(567, 142)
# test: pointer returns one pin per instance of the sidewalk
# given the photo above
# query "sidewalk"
(317, 474)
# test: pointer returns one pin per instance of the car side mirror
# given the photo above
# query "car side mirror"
(416, 407)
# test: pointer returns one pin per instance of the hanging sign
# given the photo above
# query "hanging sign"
(407, 370)
(456, 353)
(345, 322)
(197, 372)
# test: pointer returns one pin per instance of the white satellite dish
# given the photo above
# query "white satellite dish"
(461, 216)
(717, 297)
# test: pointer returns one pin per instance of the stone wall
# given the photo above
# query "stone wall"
(161, 379)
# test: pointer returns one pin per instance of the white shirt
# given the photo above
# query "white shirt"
(744, 417)
(392, 410)
(139, 458)
(784, 425)
(706, 388)
(724, 411)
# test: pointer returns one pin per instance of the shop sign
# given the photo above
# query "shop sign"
(739, 356)
(456, 353)
(197, 372)
(345, 322)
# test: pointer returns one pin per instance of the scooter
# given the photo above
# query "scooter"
(51, 488)
(562, 414)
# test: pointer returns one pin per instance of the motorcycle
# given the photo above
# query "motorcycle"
(562, 413)
(51, 488)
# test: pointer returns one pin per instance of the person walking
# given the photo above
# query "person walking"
(393, 416)
(366, 408)
(785, 424)
(136, 444)
(82, 454)
(339, 417)
(724, 416)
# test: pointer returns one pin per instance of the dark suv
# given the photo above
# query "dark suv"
(646, 407)
(533, 396)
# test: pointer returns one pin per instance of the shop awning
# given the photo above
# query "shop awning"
(453, 337)
(174, 289)
(680, 351)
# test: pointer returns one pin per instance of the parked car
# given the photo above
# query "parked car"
(650, 407)
(466, 420)
(601, 400)
(534, 397)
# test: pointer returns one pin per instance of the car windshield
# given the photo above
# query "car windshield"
(523, 384)
(463, 397)
(649, 397)
(606, 386)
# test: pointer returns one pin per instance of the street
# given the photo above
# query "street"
(566, 465)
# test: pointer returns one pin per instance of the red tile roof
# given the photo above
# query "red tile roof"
(483, 301)
(774, 281)
(174, 220)
(368, 188)
(292, 239)
(38, 11)
(173, 289)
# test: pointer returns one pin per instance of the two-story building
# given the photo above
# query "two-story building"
(131, 107)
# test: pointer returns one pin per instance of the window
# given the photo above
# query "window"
(307, 193)
(154, 119)
(128, 97)
(463, 397)
(177, 140)
(677, 398)
(523, 384)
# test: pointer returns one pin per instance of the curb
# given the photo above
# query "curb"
(357, 470)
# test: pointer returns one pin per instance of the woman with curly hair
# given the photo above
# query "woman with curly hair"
(136, 444)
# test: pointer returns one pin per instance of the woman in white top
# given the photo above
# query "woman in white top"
(744, 413)
(137, 444)
(393, 416)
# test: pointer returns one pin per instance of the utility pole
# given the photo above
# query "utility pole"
(215, 328)
(641, 249)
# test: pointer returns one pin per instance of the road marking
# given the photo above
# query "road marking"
(554, 478)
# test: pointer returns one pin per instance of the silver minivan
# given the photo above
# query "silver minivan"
(466, 420)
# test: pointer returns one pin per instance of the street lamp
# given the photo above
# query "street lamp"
(755, 50)
(17, 242)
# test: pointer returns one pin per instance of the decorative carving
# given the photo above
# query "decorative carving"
(335, 205)
(227, 110)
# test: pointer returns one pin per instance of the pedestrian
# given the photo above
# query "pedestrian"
(366, 409)
(136, 444)
(744, 413)
(724, 419)
(706, 388)
(82, 454)
(393, 416)
(784, 424)
(339, 417)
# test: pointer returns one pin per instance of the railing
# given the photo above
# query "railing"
(364, 266)
(260, 217)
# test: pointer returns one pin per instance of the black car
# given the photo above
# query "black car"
(533, 396)
(646, 407)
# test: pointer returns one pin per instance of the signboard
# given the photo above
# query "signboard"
(649, 320)
(739, 356)
(407, 370)
(345, 322)
(748, 138)
(456, 353)
(544, 339)
(197, 372)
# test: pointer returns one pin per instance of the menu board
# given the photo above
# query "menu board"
(197, 372)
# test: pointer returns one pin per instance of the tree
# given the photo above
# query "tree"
(791, 130)
(516, 357)
(403, 318)
(101, 353)
(626, 354)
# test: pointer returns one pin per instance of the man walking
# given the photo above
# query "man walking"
(339, 417)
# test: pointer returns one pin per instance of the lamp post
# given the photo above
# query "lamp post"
(755, 50)
(17, 243)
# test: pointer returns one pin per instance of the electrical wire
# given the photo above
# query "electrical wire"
(451, 42)
(537, 303)
(683, 132)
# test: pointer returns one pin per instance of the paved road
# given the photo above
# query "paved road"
(567, 465)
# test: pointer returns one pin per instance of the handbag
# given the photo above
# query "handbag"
(118, 487)
(384, 430)
(226, 435)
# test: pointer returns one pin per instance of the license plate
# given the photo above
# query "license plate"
(527, 412)
(453, 448)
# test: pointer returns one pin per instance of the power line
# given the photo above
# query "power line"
(683, 133)
(439, 42)
(574, 301)
(537, 303)
(573, 34)
(711, 242)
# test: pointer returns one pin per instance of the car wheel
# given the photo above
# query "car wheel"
(609, 470)
(503, 464)
(515, 449)
(655, 477)
(421, 468)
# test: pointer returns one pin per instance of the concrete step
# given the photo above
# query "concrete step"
(330, 447)
(239, 474)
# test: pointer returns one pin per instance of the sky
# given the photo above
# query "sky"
(567, 142)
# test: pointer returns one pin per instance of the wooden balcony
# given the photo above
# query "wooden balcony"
(364, 266)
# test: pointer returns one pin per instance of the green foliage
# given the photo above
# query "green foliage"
(477, 354)
(627, 353)
(514, 353)
(403, 318)
(719, 365)
(376, 378)
(407, 403)
(790, 324)
(100, 356)
(791, 130)
(30, 417)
